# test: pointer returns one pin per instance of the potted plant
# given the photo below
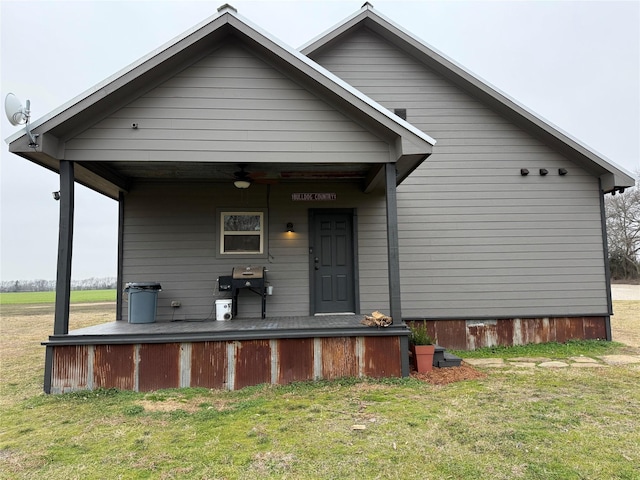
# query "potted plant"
(422, 346)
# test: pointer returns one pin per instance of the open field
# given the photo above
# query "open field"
(513, 423)
(77, 296)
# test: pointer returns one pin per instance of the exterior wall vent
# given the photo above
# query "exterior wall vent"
(401, 112)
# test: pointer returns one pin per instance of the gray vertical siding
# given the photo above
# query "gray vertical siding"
(170, 237)
(477, 239)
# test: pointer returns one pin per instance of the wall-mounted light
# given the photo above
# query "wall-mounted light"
(562, 172)
(56, 195)
(543, 172)
(524, 172)
(290, 227)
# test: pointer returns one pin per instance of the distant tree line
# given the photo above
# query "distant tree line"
(623, 233)
(93, 283)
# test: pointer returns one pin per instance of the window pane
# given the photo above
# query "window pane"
(242, 223)
(242, 243)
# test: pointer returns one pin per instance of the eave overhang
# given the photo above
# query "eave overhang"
(612, 177)
(409, 146)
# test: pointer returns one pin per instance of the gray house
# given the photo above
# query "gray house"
(364, 173)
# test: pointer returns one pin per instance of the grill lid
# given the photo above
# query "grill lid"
(248, 272)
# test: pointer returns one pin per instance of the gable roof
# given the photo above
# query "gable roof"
(411, 145)
(612, 176)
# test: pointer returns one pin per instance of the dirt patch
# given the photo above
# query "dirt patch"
(444, 376)
(167, 406)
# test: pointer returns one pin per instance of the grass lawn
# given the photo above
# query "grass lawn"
(573, 423)
(77, 296)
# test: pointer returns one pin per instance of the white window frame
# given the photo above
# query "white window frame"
(262, 232)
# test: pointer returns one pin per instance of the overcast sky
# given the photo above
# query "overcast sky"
(575, 64)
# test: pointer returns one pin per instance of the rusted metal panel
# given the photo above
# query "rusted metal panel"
(482, 333)
(595, 328)
(70, 370)
(159, 366)
(505, 332)
(382, 357)
(209, 364)
(532, 330)
(568, 328)
(339, 357)
(295, 360)
(472, 334)
(114, 367)
(448, 333)
(252, 363)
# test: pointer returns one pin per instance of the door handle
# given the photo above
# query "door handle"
(316, 263)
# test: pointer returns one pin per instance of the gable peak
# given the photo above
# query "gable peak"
(367, 5)
(227, 6)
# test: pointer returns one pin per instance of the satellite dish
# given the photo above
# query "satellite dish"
(16, 113)
(19, 115)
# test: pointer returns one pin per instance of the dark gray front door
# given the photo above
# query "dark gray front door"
(332, 262)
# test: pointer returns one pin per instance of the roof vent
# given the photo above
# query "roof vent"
(229, 7)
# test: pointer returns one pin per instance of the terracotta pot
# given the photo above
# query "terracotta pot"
(423, 357)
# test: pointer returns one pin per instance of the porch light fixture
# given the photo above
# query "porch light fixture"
(56, 195)
(290, 227)
(242, 184)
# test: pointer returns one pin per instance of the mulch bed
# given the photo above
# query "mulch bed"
(444, 376)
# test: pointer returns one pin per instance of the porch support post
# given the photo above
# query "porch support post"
(119, 285)
(393, 256)
(65, 248)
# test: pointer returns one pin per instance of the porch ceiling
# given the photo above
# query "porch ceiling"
(257, 172)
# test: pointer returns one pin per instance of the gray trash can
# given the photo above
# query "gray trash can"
(143, 300)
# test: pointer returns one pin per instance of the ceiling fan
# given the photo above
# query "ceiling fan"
(243, 179)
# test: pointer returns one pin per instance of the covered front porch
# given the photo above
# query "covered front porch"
(212, 146)
(223, 354)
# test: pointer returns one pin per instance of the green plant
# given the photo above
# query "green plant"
(419, 334)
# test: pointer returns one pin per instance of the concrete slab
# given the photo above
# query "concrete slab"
(522, 364)
(620, 359)
(485, 362)
(554, 364)
(530, 359)
(583, 359)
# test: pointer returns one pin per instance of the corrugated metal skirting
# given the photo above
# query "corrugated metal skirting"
(472, 334)
(222, 364)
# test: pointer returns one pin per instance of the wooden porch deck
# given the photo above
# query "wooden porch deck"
(223, 354)
(236, 329)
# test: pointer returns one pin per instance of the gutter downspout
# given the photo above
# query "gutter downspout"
(607, 268)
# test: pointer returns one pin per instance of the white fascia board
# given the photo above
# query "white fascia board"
(330, 32)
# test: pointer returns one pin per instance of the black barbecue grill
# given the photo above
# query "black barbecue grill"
(253, 279)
